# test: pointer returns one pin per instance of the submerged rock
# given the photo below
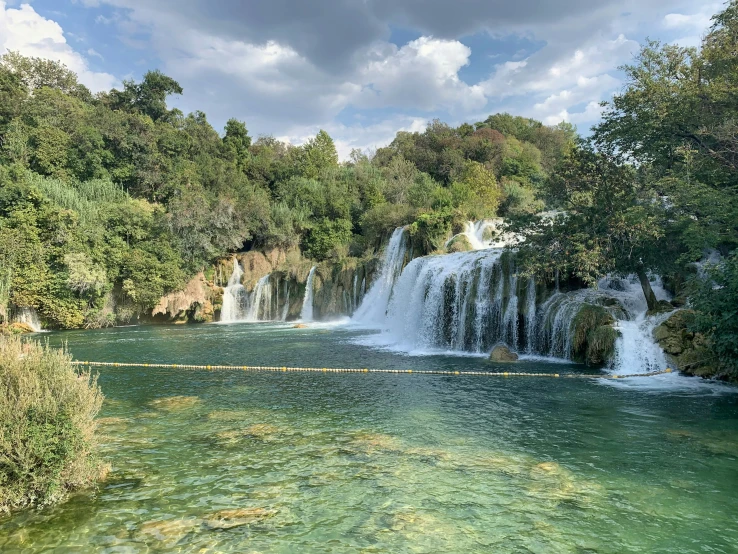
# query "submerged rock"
(299, 326)
(372, 442)
(228, 519)
(502, 354)
(169, 530)
(174, 402)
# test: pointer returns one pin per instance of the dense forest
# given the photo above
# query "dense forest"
(117, 194)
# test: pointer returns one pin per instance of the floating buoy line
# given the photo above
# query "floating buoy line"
(367, 370)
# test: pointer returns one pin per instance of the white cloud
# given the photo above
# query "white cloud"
(423, 74)
(95, 53)
(27, 32)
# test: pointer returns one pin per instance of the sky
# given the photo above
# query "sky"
(360, 69)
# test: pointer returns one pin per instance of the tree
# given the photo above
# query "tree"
(148, 97)
(237, 141)
(319, 154)
(37, 73)
(609, 224)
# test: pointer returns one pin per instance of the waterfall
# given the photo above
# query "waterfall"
(374, 306)
(28, 316)
(260, 301)
(636, 351)
(286, 307)
(530, 316)
(240, 305)
(355, 292)
(463, 301)
(486, 233)
(234, 296)
(307, 304)
(470, 301)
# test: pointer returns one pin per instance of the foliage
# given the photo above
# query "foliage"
(716, 302)
(47, 427)
(116, 199)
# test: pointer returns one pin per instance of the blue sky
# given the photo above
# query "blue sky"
(360, 69)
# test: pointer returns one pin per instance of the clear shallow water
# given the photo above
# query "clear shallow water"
(387, 463)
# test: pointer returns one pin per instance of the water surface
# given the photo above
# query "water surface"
(304, 462)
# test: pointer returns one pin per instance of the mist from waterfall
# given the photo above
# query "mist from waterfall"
(307, 304)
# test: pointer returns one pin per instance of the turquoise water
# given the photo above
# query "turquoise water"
(234, 461)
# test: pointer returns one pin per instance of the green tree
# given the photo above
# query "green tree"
(148, 97)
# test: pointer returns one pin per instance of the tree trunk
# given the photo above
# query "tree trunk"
(647, 290)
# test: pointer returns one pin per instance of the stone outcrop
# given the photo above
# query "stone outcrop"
(502, 354)
(194, 304)
(460, 243)
(686, 351)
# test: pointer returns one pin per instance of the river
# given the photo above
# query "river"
(346, 463)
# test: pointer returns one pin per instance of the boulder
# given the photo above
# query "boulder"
(502, 354)
(460, 243)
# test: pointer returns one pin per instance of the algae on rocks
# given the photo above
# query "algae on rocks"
(687, 351)
(593, 335)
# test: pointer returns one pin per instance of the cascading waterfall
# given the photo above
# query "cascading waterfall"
(463, 301)
(530, 316)
(242, 306)
(373, 308)
(484, 234)
(260, 307)
(307, 304)
(470, 301)
(234, 296)
(28, 316)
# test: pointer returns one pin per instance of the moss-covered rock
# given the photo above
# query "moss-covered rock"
(502, 354)
(593, 335)
(686, 351)
(460, 243)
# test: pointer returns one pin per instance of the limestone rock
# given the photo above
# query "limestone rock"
(502, 354)
(460, 243)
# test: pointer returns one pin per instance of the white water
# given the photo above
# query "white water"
(373, 309)
(486, 233)
(469, 301)
(28, 316)
(233, 296)
(635, 349)
(307, 303)
(260, 301)
(242, 306)
(452, 302)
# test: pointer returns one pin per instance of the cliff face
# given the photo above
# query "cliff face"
(196, 303)
(279, 279)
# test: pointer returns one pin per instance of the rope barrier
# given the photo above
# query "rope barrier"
(367, 370)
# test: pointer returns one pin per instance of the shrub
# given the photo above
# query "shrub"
(47, 427)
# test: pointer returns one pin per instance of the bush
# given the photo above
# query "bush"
(715, 301)
(47, 427)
